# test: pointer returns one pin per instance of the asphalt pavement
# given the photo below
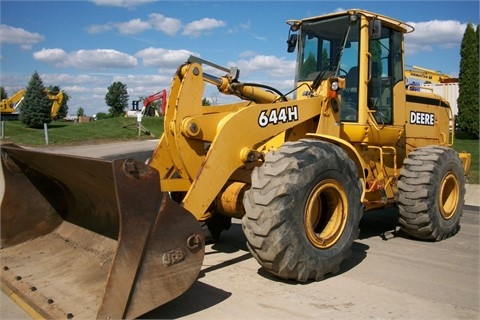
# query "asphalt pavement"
(472, 196)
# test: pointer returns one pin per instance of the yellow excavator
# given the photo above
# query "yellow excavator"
(428, 75)
(9, 106)
(299, 168)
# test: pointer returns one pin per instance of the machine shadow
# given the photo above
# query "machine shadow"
(232, 239)
(201, 296)
(379, 223)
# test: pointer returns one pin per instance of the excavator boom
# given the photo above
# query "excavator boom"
(160, 96)
(9, 106)
(56, 103)
(427, 75)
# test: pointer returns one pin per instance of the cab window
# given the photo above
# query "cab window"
(386, 71)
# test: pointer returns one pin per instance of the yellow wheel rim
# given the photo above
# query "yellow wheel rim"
(326, 214)
(449, 196)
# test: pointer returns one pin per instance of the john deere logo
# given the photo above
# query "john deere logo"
(422, 118)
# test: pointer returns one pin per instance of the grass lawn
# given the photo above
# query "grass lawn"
(70, 133)
(465, 143)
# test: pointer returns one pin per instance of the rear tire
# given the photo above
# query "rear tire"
(303, 210)
(431, 193)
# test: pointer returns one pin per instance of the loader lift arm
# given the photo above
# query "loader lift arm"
(264, 115)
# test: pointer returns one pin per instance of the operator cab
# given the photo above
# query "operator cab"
(331, 46)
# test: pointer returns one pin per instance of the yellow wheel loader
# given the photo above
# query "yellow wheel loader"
(81, 239)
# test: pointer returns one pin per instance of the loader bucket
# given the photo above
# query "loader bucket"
(92, 238)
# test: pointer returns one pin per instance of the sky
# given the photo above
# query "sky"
(85, 46)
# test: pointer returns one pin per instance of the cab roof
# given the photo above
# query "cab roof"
(397, 24)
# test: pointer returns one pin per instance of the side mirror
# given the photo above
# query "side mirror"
(292, 42)
(375, 29)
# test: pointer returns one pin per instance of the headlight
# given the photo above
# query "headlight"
(334, 86)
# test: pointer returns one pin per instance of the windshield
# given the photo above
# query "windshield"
(328, 47)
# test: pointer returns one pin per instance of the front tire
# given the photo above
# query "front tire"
(303, 210)
(431, 193)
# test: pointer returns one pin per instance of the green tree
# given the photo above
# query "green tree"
(376, 52)
(36, 106)
(325, 60)
(80, 112)
(102, 115)
(309, 66)
(468, 97)
(117, 99)
(3, 93)
(205, 102)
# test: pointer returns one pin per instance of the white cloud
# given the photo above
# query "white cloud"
(22, 37)
(258, 37)
(167, 25)
(13, 83)
(269, 65)
(76, 89)
(144, 85)
(51, 56)
(71, 80)
(99, 28)
(163, 58)
(430, 34)
(121, 3)
(247, 54)
(86, 59)
(196, 28)
(133, 26)
(100, 59)
(159, 22)
(242, 26)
